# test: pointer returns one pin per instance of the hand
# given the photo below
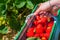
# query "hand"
(54, 10)
(47, 7)
(43, 7)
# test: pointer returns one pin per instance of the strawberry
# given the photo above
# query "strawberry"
(44, 28)
(39, 28)
(35, 22)
(50, 24)
(48, 30)
(30, 32)
(47, 35)
(43, 38)
(39, 21)
(30, 29)
(43, 20)
(41, 34)
(36, 35)
(37, 17)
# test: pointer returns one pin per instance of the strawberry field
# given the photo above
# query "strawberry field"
(12, 16)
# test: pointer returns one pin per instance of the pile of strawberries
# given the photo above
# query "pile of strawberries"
(41, 27)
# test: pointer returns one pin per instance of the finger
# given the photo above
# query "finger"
(54, 10)
(58, 5)
(38, 10)
(39, 4)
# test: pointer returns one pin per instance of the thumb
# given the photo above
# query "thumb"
(38, 9)
(54, 10)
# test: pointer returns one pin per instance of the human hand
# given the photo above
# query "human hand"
(43, 7)
(47, 7)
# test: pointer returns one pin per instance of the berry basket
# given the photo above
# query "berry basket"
(28, 23)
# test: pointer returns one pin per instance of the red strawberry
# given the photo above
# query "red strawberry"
(44, 28)
(30, 32)
(43, 19)
(35, 22)
(48, 30)
(47, 35)
(38, 17)
(43, 38)
(39, 28)
(30, 29)
(41, 34)
(50, 24)
(39, 21)
(36, 35)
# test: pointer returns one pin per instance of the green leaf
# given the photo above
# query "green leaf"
(15, 11)
(38, 39)
(3, 12)
(37, 2)
(3, 1)
(21, 4)
(45, 0)
(13, 22)
(29, 4)
(3, 29)
(7, 1)
(2, 9)
(33, 38)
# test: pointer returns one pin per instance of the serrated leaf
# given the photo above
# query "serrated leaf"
(30, 5)
(21, 4)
